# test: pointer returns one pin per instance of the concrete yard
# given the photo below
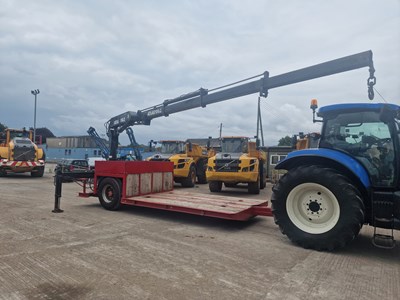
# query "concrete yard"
(141, 253)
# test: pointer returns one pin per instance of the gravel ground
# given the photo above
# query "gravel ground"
(140, 253)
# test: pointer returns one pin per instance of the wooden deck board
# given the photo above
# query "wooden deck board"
(201, 202)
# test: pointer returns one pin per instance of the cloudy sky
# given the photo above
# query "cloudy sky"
(94, 59)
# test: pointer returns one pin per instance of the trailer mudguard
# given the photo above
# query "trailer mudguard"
(354, 166)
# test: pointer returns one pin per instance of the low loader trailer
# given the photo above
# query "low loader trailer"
(150, 184)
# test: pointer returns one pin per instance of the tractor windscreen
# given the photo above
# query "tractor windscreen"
(366, 137)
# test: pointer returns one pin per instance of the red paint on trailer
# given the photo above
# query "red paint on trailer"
(210, 205)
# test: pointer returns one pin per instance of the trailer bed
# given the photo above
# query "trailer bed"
(217, 206)
(150, 184)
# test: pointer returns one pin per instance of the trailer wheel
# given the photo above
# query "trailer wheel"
(190, 181)
(254, 187)
(109, 192)
(215, 186)
(317, 208)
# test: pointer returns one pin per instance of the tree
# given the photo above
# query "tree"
(285, 141)
(44, 133)
(2, 127)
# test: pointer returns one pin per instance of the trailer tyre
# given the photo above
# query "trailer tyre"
(317, 208)
(109, 192)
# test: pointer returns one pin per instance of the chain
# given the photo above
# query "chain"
(371, 81)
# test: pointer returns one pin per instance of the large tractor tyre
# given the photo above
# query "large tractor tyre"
(254, 187)
(190, 181)
(201, 172)
(317, 208)
(3, 173)
(109, 192)
(38, 172)
(215, 186)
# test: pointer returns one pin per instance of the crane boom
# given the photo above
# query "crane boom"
(204, 97)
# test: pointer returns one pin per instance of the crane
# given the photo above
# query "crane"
(203, 97)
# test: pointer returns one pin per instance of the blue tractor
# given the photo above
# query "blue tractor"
(351, 179)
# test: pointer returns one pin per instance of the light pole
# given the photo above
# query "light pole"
(35, 93)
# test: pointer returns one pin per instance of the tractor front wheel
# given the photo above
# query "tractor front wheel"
(317, 208)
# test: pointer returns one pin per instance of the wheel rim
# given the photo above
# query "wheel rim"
(313, 208)
(108, 193)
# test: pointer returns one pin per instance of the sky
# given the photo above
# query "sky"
(95, 59)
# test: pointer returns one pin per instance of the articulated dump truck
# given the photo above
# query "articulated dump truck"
(240, 161)
(190, 161)
(18, 154)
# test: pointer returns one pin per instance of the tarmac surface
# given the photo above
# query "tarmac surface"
(87, 252)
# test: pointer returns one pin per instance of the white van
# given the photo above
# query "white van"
(91, 161)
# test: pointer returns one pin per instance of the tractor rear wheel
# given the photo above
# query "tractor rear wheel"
(317, 208)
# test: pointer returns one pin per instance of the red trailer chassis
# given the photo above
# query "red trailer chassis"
(150, 184)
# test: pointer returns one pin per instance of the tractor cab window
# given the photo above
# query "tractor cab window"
(172, 148)
(234, 145)
(367, 138)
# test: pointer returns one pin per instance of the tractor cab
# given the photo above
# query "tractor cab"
(369, 134)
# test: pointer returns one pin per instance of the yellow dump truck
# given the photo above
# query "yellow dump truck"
(18, 154)
(240, 161)
(190, 161)
(306, 141)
